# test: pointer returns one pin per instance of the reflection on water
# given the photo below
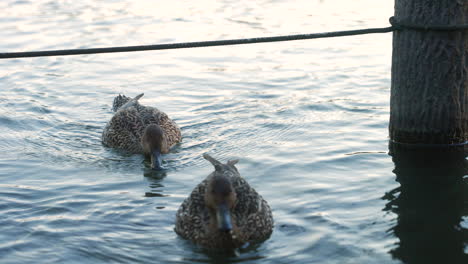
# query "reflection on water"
(155, 183)
(430, 203)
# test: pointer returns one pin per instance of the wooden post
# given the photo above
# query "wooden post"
(429, 88)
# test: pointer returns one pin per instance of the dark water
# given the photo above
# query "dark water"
(307, 119)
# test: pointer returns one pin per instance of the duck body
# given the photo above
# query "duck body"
(249, 218)
(130, 127)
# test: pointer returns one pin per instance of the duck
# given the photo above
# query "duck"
(140, 129)
(224, 211)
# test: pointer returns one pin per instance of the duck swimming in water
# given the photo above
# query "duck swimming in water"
(140, 129)
(223, 211)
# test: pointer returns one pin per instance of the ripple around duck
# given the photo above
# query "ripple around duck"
(238, 128)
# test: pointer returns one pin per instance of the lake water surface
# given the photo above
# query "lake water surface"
(307, 119)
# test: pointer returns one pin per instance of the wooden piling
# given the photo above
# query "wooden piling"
(429, 86)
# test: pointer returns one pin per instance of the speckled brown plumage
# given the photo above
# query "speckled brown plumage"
(125, 129)
(252, 219)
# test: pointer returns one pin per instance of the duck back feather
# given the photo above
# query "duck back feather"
(126, 127)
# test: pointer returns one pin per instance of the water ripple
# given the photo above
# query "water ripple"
(308, 121)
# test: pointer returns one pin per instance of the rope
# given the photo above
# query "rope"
(395, 26)
(399, 25)
(66, 52)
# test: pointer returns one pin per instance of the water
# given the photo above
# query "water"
(307, 119)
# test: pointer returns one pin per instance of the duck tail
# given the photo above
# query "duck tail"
(119, 101)
(131, 102)
(136, 98)
(212, 160)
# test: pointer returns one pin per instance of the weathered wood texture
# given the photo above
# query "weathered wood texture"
(429, 88)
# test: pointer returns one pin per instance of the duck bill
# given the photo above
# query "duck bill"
(156, 160)
(223, 217)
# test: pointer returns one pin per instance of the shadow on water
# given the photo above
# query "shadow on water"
(431, 204)
(245, 254)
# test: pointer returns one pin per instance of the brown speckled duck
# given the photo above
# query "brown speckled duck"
(223, 211)
(140, 129)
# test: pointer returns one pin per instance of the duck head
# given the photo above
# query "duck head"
(151, 142)
(220, 196)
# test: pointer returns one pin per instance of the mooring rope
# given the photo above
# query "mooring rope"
(400, 25)
(199, 44)
(394, 26)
